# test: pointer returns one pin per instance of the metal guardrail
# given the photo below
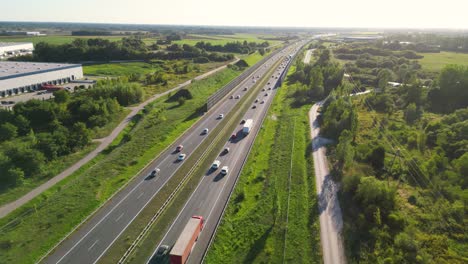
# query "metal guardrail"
(221, 93)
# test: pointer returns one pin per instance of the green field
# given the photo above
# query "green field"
(223, 39)
(434, 62)
(253, 229)
(53, 39)
(118, 69)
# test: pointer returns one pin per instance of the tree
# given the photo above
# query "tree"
(377, 158)
(8, 131)
(80, 136)
(385, 76)
(412, 113)
(61, 97)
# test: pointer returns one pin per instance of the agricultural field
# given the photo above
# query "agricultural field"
(434, 62)
(254, 228)
(223, 39)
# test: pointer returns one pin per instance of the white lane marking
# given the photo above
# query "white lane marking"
(79, 241)
(178, 216)
(93, 245)
(118, 218)
(145, 206)
(141, 194)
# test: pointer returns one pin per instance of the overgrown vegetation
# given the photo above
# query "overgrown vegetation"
(401, 156)
(253, 228)
(37, 133)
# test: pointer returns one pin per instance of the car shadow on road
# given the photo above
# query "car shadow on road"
(218, 177)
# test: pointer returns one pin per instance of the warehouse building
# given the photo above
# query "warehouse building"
(11, 49)
(21, 77)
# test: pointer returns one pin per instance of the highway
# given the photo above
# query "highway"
(92, 239)
(213, 191)
(331, 220)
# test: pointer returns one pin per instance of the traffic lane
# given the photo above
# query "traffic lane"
(216, 211)
(204, 199)
(91, 240)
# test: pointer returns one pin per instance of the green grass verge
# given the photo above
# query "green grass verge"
(434, 62)
(58, 210)
(253, 228)
(147, 245)
(56, 166)
(53, 168)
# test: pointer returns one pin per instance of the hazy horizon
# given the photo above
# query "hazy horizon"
(297, 13)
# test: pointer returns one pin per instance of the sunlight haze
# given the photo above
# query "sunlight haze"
(295, 13)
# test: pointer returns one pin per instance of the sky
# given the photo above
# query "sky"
(295, 13)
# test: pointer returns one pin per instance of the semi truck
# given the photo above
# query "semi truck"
(247, 126)
(184, 244)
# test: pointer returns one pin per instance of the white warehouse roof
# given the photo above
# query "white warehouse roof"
(12, 69)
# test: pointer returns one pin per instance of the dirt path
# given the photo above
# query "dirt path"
(104, 142)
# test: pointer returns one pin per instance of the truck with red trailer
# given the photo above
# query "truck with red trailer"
(184, 244)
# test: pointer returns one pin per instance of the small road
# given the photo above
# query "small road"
(104, 143)
(308, 56)
(331, 220)
(91, 240)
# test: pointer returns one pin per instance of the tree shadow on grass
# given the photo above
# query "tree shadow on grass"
(258, 246)
(198, 112)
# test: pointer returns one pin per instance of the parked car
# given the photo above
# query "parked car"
(181, 157)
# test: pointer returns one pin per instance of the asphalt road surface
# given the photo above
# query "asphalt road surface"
(330, 217)
(93, 239)
(212, 193)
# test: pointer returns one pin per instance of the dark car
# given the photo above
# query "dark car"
(179, 148)
(162, 254)
(154, 173)
(233, 136)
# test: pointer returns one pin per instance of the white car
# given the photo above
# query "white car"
(205, 131)
(216, 164)
(181, 157)
(224, 170)
(221, 116)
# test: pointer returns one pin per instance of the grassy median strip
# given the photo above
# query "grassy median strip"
(213, 145)
(253, 228)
